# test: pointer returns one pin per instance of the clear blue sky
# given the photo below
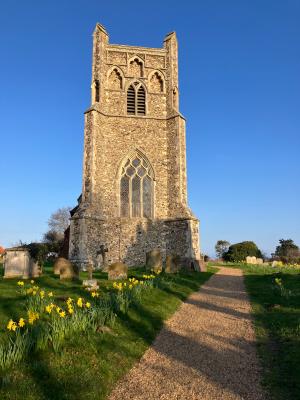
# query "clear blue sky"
(239, 77)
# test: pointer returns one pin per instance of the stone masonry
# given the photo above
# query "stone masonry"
(134, 192)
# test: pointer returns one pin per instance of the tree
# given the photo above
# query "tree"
(287, 251)
(59, 220)
(239, 251)
(221, 247)
(58, 223)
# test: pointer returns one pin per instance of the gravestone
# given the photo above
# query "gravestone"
(58, 264)
(259, 261)
(19, 264)
(251, 260)
(90, 283)
(172, 264)
(68, 270)
(117, 270)
(102, 252)
(154, 261)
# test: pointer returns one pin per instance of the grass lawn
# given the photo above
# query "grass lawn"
(277, 324)
(88, 366)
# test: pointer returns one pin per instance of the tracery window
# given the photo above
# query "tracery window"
(136, 99)
(136, 188)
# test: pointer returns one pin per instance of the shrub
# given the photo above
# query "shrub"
(239, 251)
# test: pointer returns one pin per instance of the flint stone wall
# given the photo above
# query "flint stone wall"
(110, 135)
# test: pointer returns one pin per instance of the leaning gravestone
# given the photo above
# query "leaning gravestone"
(117, 270)
(68, 270)
(172, 264)
(154, 261)
(259, 261)
(19, 264)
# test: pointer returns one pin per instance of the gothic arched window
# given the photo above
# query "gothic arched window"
(136, 187)
(136, 99)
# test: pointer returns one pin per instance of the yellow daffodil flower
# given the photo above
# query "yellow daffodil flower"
(32, 281)
(87, 304)
(42, 294)
(11, 326)
(62, 314)
(21, 322)
(48, 309)
(80, 302)
(70, 310)
(20, 283)
(50, 294)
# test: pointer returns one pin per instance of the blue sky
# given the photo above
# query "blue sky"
(240, 92)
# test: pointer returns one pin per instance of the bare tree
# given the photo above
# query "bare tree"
(59, 220)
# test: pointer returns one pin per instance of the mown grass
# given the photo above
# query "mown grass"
(89, 365)
(277, 324)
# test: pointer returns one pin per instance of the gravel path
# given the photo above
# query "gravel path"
(206, 351)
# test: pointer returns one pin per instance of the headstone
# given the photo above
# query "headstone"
(172, 264)
(251, 260)
(117, 270)
(90, 283)
(19, 264)
(59, 262)
(259, 261)
(68, 270)
(102, 252)
(154, 261)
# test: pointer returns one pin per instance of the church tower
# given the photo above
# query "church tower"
(134, 190)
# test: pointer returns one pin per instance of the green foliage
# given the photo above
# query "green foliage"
(239, 251)
(221, 248)
(38, 251)
(288, 251)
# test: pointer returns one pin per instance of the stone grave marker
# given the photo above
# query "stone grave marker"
(154, 260)
(19, 264)
(68, 270)
(172, 264)
(117, 270)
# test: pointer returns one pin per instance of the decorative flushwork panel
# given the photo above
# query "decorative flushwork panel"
(115, 80)
(156, 62)
(116, 57)
(136, 68)
(156, 83)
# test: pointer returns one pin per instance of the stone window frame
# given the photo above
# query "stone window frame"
(95, 91)
(120, 173)
(161, 74)
(140, 60)
(118, 69)
(136, 87)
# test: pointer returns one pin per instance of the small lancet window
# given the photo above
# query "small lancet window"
(97, 91)
(136, 99)
(136, 188)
